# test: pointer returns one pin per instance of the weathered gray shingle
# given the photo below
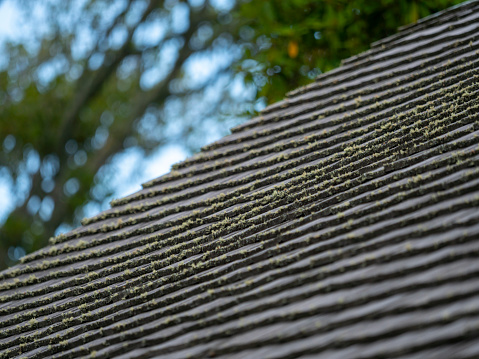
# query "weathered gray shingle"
(341, 223)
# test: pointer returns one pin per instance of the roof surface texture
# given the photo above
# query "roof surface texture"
(341, 223)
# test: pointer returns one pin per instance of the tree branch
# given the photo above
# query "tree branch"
(157, 95)
(89, 86)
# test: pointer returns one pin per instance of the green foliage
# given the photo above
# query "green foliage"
(293, 41)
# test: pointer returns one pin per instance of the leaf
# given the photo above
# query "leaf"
(293, 49)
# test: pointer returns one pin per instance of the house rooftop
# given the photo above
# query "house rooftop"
(342, 222)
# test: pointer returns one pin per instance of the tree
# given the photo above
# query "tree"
(102, 77)
(99, 77)
(292, 42)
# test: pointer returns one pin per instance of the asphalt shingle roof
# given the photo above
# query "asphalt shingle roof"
(341, 223)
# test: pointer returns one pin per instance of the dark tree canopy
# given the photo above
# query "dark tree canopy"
(293, 41)
(101, 77)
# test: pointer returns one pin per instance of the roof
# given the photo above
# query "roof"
(342, 222)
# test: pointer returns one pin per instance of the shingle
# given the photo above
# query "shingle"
(343, 222)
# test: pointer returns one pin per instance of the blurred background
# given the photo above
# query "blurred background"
(98, 96)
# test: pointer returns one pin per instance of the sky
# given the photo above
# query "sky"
(8, 16)
(128, 179)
